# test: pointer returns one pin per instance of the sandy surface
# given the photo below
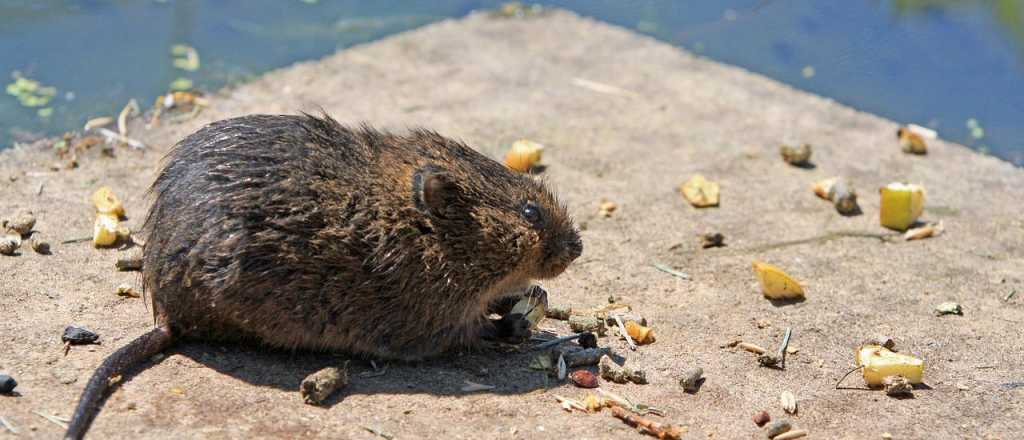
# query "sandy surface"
(489, 82)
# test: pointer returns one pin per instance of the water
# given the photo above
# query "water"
(954, 65)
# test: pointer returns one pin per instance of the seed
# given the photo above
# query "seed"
(21, 223)
(78, 336)
(761, 418)
(776, 428)
(788, 401)
(41, 247)
(583, 379)
(691, 379)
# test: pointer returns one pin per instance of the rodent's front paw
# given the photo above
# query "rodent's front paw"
(512, 328)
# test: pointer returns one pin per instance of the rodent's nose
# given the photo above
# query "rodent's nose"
(574, 248)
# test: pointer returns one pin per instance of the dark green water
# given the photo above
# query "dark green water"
(954, 65)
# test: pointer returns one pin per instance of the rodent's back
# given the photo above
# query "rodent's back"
(301, 233)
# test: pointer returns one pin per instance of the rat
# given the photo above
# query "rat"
(298, 232)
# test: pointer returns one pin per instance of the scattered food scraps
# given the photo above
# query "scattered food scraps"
(840, 193)
(788, 402)
(583, 379)
(797, 156)
(911, 142)
(901, 205)
(101, 121)
(776, 284)
(791, 435)
(585, 357)
(9, 244)
(879, 362)
(642, 335)
(712, 239)
(532, 307)
(130, 262)
(587, 323)
(897, 386)
(926, 231)
(78, 336)
(620, 374)
(107, 203)
(127, 291)
(692, 379)
(185, 57)
(700, 192)
(606, 208)
(40, 246)
(524, 155)
(561, 313)
(105, 230)
(948, 308)
(753, 348)
(21, 223)
(647, 426)
(318, 386)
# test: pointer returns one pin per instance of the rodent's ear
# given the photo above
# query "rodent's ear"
(433, 189)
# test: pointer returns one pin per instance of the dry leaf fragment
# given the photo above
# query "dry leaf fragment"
(776, 284)
(901, 205)
(879, 362)
(523, 155)
(700, 192)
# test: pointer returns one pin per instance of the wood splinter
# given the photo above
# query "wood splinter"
(648, 426)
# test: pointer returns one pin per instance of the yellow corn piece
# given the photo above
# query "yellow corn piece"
(642, 335)
(879, 362)
(776, 284)
(700, 192)
(104, 232)
(901, 204)
(107, 203)
(523, 155)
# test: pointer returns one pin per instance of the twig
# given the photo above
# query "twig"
(671, 271)
(752, 348)
(114, 136)
(826, 238)
(8, 425)
(76, 240)
(39, 191)
(647, 426)
(785, 345)
(1010, 296)
(625, 334)
(557, 341)
(53, 419)
(848, 373)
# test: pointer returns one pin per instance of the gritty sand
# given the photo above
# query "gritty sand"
(671, 114)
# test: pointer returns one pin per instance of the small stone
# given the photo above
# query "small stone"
(78, 336)
(691, 379)
(583, 379)
(948, 308)
(897, 386)
(776, 428)
(761, 418)
(712, 239)
(620, 374)
(7, 384)
(21, 223)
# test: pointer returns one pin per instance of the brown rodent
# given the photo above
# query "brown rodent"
(300, 233)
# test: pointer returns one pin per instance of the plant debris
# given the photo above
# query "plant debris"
(21, 223)
(524, 155)
(840, 193)
(897, 386)
(78, 336)
(583, 379)
(40, 246)
(901, 205)
(671, 271)
(700, 192)
(641, 334)
(776, 284)
(517, 10)
(561, 313)
(130, 262)
(647, 426)
(711, 240)
(127, 291)
(584, 357)
(791, 435)
(797, 156)
(620, 374)
(606, 208)
(9, 244)
(185, 57)
(912, 138)
(30, 93)
(692, 379)
(948, 308)
(106, 202)
(472, 387)
(318, 386)
(777, 359)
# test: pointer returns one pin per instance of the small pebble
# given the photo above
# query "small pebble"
(583, 379)
(776, 428)
(7, 384)
(691, 379)
(78, 336)
(761, 418)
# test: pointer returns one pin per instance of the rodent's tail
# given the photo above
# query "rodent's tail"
(137, 351)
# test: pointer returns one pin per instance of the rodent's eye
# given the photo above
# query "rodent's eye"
(532, 214)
